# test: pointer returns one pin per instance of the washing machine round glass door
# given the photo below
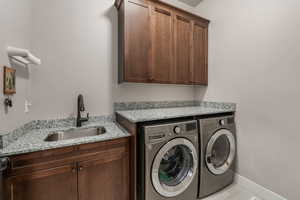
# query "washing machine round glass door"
(174, 167)
(220, 152)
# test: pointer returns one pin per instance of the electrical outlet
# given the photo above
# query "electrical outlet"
(27, 105)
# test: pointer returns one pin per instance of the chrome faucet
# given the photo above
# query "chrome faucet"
(80, 108)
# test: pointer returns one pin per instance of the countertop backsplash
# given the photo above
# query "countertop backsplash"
(122, 106)
(147, 111)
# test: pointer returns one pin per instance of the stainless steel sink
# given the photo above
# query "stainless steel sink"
(74, 133)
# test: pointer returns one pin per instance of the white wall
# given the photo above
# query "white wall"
(254, 61)
(15, 26)
(77, 41)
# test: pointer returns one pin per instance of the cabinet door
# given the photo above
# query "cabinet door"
(137, 41)
(182, 44)
(106, 178)
(199, 58)
(53, 184)
(162, 45)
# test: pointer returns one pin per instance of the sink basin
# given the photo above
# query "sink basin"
(74, 133)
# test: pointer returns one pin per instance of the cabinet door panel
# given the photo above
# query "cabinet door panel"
(58, 183)
(138, 41)
(182, 42)
(162, 51)
(200, 71)
(106, 178)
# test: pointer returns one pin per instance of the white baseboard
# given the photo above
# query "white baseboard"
(259, 190)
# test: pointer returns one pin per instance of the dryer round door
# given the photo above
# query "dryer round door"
(174, 167)
(220, 152)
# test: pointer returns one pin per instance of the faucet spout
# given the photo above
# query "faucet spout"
(80, 108)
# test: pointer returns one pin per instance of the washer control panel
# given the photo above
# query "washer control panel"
(226, 121)
(160, 132)
(191, 126)
(185, 128)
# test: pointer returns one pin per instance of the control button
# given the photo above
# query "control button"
(222, 122)
(177, 130)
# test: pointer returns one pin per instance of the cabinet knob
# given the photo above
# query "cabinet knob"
(80, 168)
(151, 79)
(73, 169)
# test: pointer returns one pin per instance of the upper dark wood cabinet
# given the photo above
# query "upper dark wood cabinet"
(183, 48)
(159, 43)
(162, 49)
(199, 54)
(137, 42)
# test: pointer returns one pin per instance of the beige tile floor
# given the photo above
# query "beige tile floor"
(234, 192)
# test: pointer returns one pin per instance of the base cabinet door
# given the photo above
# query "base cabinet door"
(53, 184)
(106, 178)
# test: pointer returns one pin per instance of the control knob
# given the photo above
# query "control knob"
(177, 130)
(222, 122)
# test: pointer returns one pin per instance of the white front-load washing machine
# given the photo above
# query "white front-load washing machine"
(168, 161)
(218, 153)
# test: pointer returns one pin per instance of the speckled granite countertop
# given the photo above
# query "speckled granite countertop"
(143, 115)
(33, 140)
(30, 137)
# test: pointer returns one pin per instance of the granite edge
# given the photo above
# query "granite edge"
(39, 148)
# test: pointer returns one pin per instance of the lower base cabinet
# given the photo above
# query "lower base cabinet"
(83, 174)
(104, 179)
(54, 184)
